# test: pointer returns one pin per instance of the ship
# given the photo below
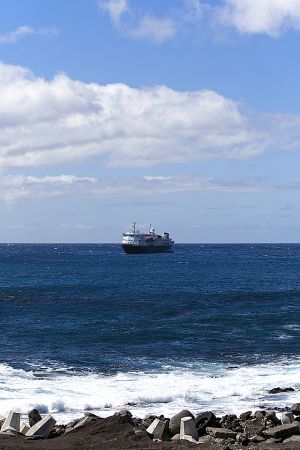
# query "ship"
(135, 242)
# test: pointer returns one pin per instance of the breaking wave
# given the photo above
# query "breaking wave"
(217, 387)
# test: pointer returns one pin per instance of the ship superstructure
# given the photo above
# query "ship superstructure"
(135, 242)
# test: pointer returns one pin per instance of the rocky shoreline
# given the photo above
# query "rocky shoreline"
(251, 430)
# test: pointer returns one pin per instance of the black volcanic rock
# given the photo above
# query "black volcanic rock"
(34, 417)
(279, 390)
(295, 408)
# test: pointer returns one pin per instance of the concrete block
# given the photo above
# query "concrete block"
(282, 431)
(188, 429)
(287, 417)
(24, 428)
(175, 421)
(8, 433)
(43, 427)
(156, 429)
(294, 438)
(12, 421)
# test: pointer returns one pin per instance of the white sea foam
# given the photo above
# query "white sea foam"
(198, 387)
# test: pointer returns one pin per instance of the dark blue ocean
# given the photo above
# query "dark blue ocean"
(89, 327)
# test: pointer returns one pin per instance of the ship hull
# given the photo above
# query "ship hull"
(136, 249)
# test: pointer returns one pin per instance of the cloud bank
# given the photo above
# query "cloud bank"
(20, 187)
(15, 188)
(50, 122)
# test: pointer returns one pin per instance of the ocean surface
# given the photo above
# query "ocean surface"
(208, 327)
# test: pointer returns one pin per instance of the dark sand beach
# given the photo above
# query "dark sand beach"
(119, 432)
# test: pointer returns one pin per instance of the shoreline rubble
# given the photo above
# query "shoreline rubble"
(230, 432)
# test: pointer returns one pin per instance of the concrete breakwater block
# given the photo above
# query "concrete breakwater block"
(24, 428)
(175, 421)
(42, 428)
(157, 429)
(282, 431)
(12, 422)
(294, 438)
(8, 433)
(188, 430)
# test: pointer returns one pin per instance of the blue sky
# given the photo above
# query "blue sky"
(182, 113)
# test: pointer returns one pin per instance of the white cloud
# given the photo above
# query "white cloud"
(61, 120)
(23, 31)
(115, 8)
(193, 9)
(269, 17)
(154, 29)
(144, 26)
(79, 226)
(19, 187)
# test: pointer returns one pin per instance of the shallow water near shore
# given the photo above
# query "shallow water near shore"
(86, 327)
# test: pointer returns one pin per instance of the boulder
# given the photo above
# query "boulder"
(287, 417)
(12, 422)
(42, 428)
(242, 439)
(257, 439)
(246, 416)
(260, 414)
(88, 418)
(58, 430)
(231, 422)
(273, 441)
(221, 433)
(175, 421)
(157, 430)
(94, 416)
(34, 417)
(271, 419)
(296, 409)
(125, 416)
(282, 431)
(188, 430)
(254, 427)
(122, 412)
(279, 390)
(176, 437)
